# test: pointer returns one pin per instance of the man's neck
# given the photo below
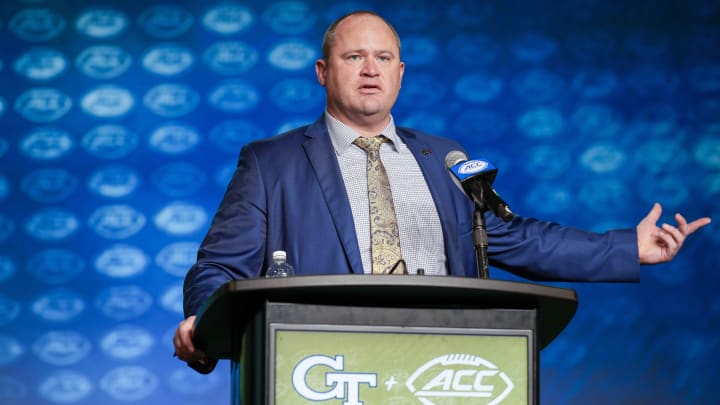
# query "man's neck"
(367, 127)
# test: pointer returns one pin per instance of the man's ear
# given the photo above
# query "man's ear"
(321, 71)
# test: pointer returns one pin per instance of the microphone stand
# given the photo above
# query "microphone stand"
(480, 240)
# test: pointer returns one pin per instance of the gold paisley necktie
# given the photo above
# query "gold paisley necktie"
(384, 234)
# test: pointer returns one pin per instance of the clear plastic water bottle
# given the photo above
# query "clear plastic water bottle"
(280, 267)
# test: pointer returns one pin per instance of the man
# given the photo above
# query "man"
(306, 192)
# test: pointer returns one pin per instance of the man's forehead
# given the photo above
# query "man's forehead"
(360, 26)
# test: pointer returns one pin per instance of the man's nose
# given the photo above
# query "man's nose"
(370, 67)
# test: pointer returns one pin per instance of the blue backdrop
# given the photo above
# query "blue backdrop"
(121, 123)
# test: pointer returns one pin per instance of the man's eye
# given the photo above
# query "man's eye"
(354, 57)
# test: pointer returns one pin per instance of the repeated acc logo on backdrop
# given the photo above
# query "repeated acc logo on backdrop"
(97, 45)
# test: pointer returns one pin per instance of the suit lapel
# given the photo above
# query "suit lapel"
(432, 164)
(321, 156)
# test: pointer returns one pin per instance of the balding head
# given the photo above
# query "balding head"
(329, 37)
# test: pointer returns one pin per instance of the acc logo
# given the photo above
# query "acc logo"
(474, 50)
(478, 87)
(432, 89)
(601, 195)
(596, 119)
(547, 162)
(178, 179)
(234, 96)
(9, 310)
(171, 100)
(123, 303)
(107, 101)
(65, 387)
(459, 376)
(55, 266)
(230, 136)
(168, 59)
(37, 24)
(419, 50)
(52, 224)
(230, 57)
(541, 122)
(103, 61)
(46, 143)
(534, 47)
(481, 121)
(227, 19)
(116, 221)
(538, 85)
(180, 218)
(42, 104)
(10, 349)
(602, 158)
(61, 348)
(40, 64)
(295, 95)
(343, 385)
(49, 185)
(110, 141)
(186, 381)
(292, 55)
(129, 383)
(165, 21)
(289, 17)
(174, 138)
(172, 299)
(114, 182)
(101, 23)
(176, 258)
(126, 342)
(121, 261)
(58, 306)
(473, 166)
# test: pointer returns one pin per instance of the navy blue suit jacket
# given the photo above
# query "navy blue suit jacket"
(288, 194)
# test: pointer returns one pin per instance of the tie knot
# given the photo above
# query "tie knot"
(370, 145)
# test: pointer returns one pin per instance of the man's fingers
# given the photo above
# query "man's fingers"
(682, 223)
(697, 224)
(182, 340)
(668, 239)
(654, 214)
(675, 233)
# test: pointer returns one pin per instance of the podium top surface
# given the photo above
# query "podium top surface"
(232, 302)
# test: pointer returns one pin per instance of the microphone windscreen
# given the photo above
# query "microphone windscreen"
(454, 157)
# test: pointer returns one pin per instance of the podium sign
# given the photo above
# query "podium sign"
(398, 365)
(395, 340)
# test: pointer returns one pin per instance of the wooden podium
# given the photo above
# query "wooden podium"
(354, 339)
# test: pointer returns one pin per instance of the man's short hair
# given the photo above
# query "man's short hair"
(329, 37)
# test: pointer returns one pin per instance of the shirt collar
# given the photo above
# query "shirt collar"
(342, 136)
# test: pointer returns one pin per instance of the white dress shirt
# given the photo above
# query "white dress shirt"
(421, 238)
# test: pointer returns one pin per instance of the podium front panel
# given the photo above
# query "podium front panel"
(350, 355)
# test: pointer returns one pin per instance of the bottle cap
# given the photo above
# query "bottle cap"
(279, 255)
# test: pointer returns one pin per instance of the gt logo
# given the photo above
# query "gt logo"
(342, 385)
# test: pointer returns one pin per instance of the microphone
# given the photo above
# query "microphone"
(475, 177)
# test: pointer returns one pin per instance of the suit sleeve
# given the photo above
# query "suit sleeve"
(234, 247)
(546, 251)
